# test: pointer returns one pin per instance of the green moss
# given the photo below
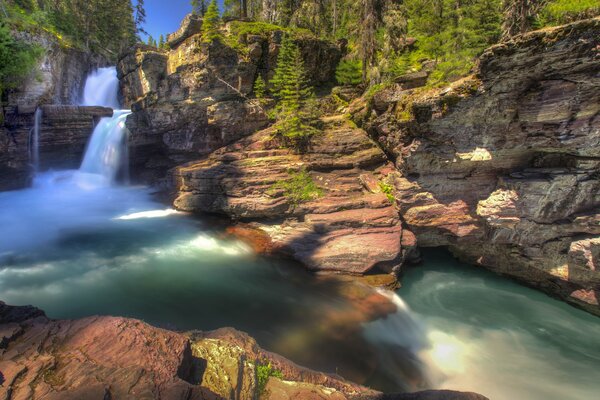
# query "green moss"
(298, 188)
(263, 373)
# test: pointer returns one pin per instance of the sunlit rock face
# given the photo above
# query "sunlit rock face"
(192, 99)
(352, 227)
(503, 167)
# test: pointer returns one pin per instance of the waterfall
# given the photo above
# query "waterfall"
(107, 154)
(102, 88)
(34, 140)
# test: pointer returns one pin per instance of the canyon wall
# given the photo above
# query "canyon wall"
(194, 98)
(503, 167)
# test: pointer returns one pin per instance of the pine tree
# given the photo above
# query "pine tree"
(151, 41)
(199, 7)
(210, 23)
(290, 87)
(140, 16)
(260, 88)
(161, 42)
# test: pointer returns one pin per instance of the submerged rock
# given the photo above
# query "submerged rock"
(503, 167)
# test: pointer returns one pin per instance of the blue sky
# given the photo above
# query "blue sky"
(164, 16)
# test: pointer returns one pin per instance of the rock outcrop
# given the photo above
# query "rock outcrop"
(348, 226)
(60, 75)
(193, 98)
(118, 358)
(504, 167)
(64, 132)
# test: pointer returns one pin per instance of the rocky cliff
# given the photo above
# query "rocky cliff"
(119, 358)
(194, 98)
(504, 166)
(501, 167)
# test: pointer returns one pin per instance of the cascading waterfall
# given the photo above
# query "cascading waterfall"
(34, 140)
(106, 155)
(102, 88)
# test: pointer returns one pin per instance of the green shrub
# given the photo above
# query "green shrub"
(263, 373)
(559, 12)
(298, 188)
(349, 72)
(17, 59)
(387, 189)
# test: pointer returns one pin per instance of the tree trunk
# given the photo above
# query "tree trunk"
(243, 8)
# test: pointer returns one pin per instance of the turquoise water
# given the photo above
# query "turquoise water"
(75, 248)
(495, 337)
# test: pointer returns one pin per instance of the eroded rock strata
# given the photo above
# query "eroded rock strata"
(350, 227)
(503, 167)
(119, 358)
(193, 99)
(500, 167)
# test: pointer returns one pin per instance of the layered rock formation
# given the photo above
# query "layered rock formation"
(64, 132)
(118, 358)
(503, 167)
(193, 99)
(349, 225)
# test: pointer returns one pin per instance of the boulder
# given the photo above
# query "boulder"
(348, 228)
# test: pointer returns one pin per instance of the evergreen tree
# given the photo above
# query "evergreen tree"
(348, 72)
(151, 41)
(210, 23)
(295, 108)
(161, 42)
(140, 16)
(260, 88)
(199, 7)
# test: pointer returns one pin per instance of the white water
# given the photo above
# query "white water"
(486, 334)
(62, 201)
(106, 155)
(102, 88)
(34, 140)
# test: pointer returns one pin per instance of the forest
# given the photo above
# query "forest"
(386, 38)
